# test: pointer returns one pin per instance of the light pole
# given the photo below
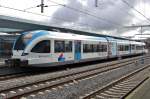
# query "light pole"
(96, 3)
(42, 6)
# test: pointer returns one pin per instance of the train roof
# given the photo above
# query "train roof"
(76, 36)
(80, 32)
(58, 35)
(85, 33)
(80, 36)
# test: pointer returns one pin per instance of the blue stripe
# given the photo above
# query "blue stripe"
(77, 55)
(36, 35)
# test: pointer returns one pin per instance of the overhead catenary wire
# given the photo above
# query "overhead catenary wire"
(124, 11)
(37, 6)
(135, 10)
(87, 13)
(30, 8)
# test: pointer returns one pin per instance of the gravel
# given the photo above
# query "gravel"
(30, 79)
(73, 91)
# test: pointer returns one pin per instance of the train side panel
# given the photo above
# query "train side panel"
(99, 49)
(123, 47)
(112, 44)
(47, 48)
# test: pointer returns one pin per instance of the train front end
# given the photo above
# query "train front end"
(19, 58)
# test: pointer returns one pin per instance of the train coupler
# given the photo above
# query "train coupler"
(15, 62)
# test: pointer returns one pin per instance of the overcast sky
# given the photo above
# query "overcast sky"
(108, 18)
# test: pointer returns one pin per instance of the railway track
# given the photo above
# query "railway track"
(120, 88)
(19, 74)
(10, 73)
(6, 77)
(58, 80)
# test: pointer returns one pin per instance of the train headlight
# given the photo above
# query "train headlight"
(24, 54)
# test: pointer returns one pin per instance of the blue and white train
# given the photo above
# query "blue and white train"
(49, 48)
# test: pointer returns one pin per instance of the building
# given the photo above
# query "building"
(6, 44)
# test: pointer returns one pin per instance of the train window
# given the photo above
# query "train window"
(126, 47)
(118, 48)
(138, 47)
(91, 47)
(121, 48)
(68, 46)
(59, 46)
(84, 48)
(42, 47)
(63, 46)
(133, 47)
(87, 48)
(104, 48)
(19, 45)
(22, 41)
(95, 49)
(98, 48)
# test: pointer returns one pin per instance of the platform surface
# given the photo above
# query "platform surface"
(142, 92)
(2, 61)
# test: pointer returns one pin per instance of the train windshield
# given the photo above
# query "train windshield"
(22, 41)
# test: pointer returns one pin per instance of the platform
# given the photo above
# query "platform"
(142, 92)
(2, 61)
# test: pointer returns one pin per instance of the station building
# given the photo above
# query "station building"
(6, 44)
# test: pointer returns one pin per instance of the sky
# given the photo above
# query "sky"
(109, 17)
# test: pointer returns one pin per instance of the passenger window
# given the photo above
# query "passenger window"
(68, 46)
(133, 47)
(138, 47)
(42, 47)
(95, 48)
(63, 46)
(104, 48)
(119, 47)
(59, 46)
(87, 48)
(126, 47)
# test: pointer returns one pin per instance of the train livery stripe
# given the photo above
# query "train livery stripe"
(61, 58)
(77, 55)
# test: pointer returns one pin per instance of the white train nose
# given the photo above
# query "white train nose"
(17, 53)
(24, 54)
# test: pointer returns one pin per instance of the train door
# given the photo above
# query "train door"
(112, 45)
(112, 49)
(109, 49)
(77, 53)
(130, 48)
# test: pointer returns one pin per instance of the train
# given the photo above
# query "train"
(41, 48)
